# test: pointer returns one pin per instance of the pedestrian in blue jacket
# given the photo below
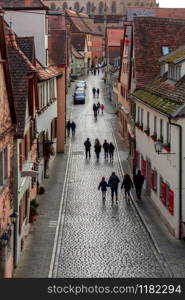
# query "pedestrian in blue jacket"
(103, 186)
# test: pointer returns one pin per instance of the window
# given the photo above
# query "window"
(155, 125)
(113, 7)
(174, 72)
(76, 6)
(141, 115)
(161, 129)
(64, 6)
(3, 166)
(165, 50)
(148, 120)
(88, 7)
(101, 8)
(168, 133)
(138, 114)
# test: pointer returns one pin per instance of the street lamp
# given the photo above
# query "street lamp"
(159, 147)
(13, 218)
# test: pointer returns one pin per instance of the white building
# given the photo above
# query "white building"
(30, 19)
(160, 116)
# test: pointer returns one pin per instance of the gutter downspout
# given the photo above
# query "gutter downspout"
(180, 175)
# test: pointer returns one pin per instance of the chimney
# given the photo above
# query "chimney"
(12, 36)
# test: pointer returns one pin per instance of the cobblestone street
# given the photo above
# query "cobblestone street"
(97, 240)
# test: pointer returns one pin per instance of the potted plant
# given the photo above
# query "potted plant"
(167, 147)
(154, 137)
(33, 210)
(147, 131)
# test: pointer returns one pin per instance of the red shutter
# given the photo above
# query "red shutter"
(164, 193)
(20, 157)
(143, 169)
(171, 201)
(152, 179)
(136, 159)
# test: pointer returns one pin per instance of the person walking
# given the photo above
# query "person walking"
(98, 107)
(111, 151)
(95, 109)
(113, 184)
(87, 145)
(138, 182)
(103, 186)
(106, 149)
(68, 126)
(127, 184)
(98, 92)
(97, 149)
(73, 127)
(94, 92)
(102, 107)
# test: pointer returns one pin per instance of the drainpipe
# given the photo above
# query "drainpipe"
(180, 175)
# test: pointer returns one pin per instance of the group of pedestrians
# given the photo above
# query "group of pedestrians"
(107, 147)
(96, 92)
(71, 127)
(96, 109)
(127, 185)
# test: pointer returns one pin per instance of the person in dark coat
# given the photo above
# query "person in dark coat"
(73, 127)
(98, 92)
(127, 184)
(113, 184)
(94, 91)
(87, 145)
(138, 182)
(97, 148)
(106, 149)
(103, 186)
(98, 107)
(68, 126)
(95, 109)
(111, 151)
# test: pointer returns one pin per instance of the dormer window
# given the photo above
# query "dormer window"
(165, 50)
(174, 72)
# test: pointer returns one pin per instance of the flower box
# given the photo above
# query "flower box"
(147, 131)
(154, 137)
(167, 147)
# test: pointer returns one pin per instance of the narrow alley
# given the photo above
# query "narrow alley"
(98, 240)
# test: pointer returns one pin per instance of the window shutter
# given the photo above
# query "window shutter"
(152, 179)
(20, 156)
(1, 168)
(164, 193)
(171, 201)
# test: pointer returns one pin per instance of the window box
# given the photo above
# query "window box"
(147, 131)
(154, 137)
(167, 147)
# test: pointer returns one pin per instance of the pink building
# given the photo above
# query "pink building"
(7, 130)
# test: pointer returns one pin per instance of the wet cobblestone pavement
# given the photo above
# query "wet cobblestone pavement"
(96, 239)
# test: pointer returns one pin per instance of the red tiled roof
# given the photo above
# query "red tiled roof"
(149, 35)
(45, 73)
(177, 13)
(114, 36)
(77, 23)
(20, 67)
(76, 53)
(22, 4)
(26, 44)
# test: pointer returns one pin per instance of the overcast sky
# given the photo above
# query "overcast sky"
(171, 3)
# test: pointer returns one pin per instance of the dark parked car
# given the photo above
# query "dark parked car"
(79, 97)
